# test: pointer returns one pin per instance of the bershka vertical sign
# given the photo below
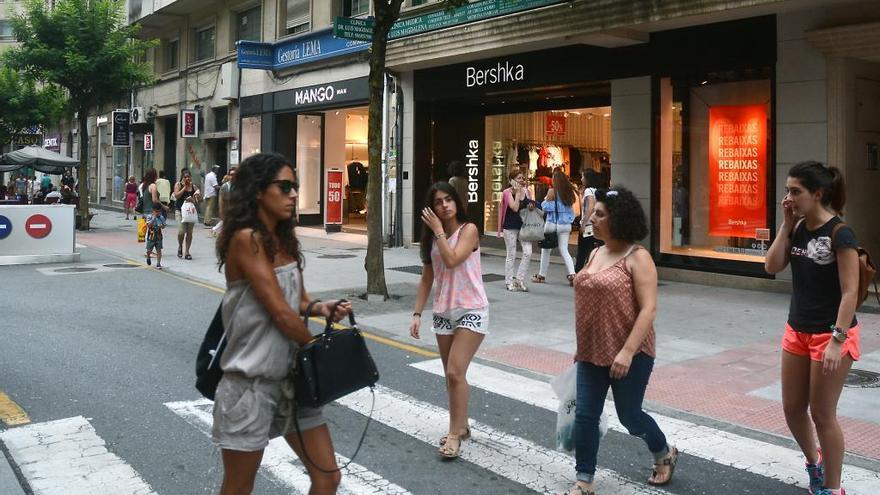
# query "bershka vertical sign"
(497, 171)
(121, 120)
(333, 209)
(189, 123)
(472, 163)
(737, 170)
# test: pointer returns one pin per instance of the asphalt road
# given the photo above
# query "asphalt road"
(116, 344)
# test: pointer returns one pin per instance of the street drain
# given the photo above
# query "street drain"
(120, 265)
(492, 277)
(414, 269)
(862, 379)
(75, 269)
(336, 256)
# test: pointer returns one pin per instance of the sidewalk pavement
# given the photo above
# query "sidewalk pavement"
(718, 352)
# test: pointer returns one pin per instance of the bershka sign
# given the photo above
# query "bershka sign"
(331, 94)
(473, 170)
(500, 73)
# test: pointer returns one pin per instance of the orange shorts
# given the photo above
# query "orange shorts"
(813, 344)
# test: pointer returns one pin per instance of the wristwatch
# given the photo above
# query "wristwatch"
(838, 333)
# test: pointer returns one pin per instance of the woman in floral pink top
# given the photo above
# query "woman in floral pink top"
(450, 250)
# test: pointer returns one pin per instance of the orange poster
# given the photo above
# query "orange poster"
(737, 170)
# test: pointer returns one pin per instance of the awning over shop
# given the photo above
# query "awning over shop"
(39, 158)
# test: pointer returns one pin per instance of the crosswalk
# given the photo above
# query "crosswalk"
(69, 457)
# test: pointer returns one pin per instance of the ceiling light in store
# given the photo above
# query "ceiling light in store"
(362, 117)
(565, 114)
(576, 113)
(337, 112)
(606, 115)
(704, 83)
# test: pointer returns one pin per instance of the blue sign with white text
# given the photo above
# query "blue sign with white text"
(5, 227)
(296, 51)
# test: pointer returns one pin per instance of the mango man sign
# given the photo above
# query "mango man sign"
(737, 170)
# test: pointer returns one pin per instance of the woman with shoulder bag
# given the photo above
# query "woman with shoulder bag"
(450, 250)
(558, 206)
(183, 191)
(821, 338)
(513, 199)
(263, 316)
(615, 305)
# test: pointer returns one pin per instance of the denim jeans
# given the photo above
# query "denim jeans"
(592, 387)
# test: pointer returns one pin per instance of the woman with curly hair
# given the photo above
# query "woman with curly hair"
(821, 338)
(615, 305)
(264, 317)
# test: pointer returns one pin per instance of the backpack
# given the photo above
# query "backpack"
(867, 270)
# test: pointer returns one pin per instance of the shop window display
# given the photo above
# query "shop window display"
(539, 143)
(715, 167)
(251, 127)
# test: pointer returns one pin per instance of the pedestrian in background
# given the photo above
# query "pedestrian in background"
(821, 338)
(586, 240)
(131, 192)
(513, 199)
(615, 305)
(450, 251)
(263, 315)
(155, 225)
(148, 190)
(163, 186)
(558, 206)
(31, 188)
(212, 187)
(223, 199)
(184, 190)
(458, 179)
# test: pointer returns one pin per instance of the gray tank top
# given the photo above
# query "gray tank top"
(255, 347)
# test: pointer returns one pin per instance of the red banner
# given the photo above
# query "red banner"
(555, 125)
(737, 170)
(333, 211)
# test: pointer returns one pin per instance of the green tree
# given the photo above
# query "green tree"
(24, 104)
(86, 48)
(386, 13)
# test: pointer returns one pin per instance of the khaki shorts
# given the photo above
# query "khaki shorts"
(248, 412)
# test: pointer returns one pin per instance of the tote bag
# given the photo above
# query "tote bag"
(532, 225)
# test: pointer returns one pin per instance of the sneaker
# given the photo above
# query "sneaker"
(149, 261)
(817, 475)
(158, 266)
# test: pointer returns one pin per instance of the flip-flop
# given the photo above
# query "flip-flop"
(670, 460)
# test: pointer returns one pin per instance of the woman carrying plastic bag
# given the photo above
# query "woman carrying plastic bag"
(565, 386)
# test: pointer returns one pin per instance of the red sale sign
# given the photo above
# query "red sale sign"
(333, 209)
(737, 170)
(555, 125)
(189, 123)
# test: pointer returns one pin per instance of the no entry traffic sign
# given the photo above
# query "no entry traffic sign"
(38, 226)
(5, 227)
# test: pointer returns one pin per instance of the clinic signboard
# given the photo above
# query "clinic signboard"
(737, 170)
(312, 47)
(334, 194)
(121, 120)
(37, 234)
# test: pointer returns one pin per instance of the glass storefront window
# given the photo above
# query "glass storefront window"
(715, 167)
(251, 127)
(120, 167)
(308, 163)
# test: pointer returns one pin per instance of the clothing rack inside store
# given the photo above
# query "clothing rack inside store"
(531, 142)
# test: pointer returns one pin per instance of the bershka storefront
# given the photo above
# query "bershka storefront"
(321, 128)
(709, 175)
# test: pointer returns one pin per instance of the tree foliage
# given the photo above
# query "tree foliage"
(24, 104)
(86, 48)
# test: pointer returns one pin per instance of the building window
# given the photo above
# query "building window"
(354, 8)
(248, 27)
(221, 119)
(298, 18)
(716, 166)
(6, 30)
(172, 55)
(204, 44)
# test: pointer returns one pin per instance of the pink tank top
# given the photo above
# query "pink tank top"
(460, 287)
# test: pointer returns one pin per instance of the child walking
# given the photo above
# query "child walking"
(155, 224)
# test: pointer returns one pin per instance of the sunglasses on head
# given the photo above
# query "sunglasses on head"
(286, 185)
(605, 194)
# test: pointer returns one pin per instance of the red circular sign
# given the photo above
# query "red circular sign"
(38, 226)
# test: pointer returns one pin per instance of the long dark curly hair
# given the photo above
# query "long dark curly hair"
(255, 174)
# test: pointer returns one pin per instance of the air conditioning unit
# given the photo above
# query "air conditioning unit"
(138, 115)
(227, 82)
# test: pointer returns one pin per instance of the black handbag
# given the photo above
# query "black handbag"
(139, 207)
(551, 239)
(333, 365)
(208, 372)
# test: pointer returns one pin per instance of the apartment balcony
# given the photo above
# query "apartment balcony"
(156, 13)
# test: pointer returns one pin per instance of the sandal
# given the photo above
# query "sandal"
(180, 252)
(464, 436)
(449, 452)
(570, 280)
(670, 460)
(579, 490)
(188, 257)
(538, 279)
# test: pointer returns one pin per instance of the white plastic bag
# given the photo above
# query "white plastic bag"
(565, 386)
(189, 213)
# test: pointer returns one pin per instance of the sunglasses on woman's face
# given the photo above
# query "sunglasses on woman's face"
(286, 185)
